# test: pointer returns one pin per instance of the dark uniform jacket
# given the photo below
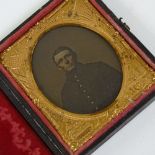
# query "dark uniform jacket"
(90, 87)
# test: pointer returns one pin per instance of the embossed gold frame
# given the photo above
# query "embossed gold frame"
(75, 129)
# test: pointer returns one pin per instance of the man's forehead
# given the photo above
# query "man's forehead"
(61, 54)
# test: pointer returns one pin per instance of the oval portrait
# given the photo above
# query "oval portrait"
(77, 69)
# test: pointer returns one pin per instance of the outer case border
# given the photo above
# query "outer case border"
(37, 120)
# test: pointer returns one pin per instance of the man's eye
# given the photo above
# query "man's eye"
(60, 60)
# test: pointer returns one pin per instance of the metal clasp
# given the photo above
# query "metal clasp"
(125, 25)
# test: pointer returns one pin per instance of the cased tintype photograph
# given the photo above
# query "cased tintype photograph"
(76, 73)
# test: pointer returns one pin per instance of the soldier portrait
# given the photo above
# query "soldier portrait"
(77, 69)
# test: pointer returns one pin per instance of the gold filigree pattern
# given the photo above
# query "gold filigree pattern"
(76, 129)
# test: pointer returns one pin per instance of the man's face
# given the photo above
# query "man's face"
(64, 60)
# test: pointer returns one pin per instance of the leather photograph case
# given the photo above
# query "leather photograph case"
(76, 74)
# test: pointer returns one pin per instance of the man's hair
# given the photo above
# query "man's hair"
(63, 48)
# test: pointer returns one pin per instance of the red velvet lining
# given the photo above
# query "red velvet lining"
(17, 137)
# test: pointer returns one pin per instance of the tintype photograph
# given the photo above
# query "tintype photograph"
(77, 69)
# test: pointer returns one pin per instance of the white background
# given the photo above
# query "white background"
(138, 136)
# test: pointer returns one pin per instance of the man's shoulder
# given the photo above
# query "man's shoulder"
(96, 65)
(92, 68)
